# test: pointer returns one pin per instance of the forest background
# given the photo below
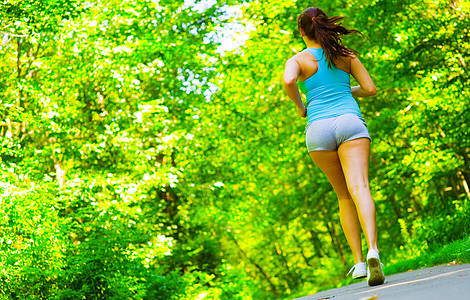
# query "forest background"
(149, 151)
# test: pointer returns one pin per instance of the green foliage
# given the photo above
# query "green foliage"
(455, 252)
(144, 157)
(445, 228)
(32, 252)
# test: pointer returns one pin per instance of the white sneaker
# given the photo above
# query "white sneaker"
(359, 270)
(375, 275)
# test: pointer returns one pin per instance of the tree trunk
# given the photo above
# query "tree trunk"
(317, 245)
(336, 242)
(59, 171)
(251, 260)
(291, 281)
(301, 250)
(464, 181)
(396, 209)
(465, 174)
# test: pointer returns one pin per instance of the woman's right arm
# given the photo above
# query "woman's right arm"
(366, 85)
(291, 74)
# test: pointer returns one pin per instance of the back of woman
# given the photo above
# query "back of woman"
(337, 137)
(328, 88)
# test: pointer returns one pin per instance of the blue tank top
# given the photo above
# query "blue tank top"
(328, 91)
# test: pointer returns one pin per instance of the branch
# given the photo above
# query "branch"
(18, 57)
(7, 26)
(15, 35)
(35, 55)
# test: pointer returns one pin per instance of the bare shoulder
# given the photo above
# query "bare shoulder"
(347, 59)
(304, 55)
(353, 57)
(297, 58)
(344, 63)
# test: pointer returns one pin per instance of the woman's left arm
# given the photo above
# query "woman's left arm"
(291, 73)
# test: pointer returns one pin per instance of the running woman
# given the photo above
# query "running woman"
(336, 134)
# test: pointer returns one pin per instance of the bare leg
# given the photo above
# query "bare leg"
(354, 157)
(329, 163)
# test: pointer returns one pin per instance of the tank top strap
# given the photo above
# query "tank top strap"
(318, 54)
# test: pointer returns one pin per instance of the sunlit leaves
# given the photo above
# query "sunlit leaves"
(150, 149)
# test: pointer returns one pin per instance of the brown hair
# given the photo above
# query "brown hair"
(326, 31)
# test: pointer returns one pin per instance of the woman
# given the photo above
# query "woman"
(336, 134)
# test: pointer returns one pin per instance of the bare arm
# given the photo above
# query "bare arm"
(366, 85)
(291, 73)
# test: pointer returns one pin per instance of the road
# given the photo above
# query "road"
(448, 282)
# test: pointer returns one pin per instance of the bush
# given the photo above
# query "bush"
(446, 228)
(59, 245)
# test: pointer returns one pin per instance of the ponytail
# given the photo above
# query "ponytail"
(327, 32)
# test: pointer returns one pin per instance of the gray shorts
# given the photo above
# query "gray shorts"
(330, 133)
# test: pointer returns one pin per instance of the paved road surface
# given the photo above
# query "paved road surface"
(448, 282)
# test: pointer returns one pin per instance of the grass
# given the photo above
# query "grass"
(456, 252)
